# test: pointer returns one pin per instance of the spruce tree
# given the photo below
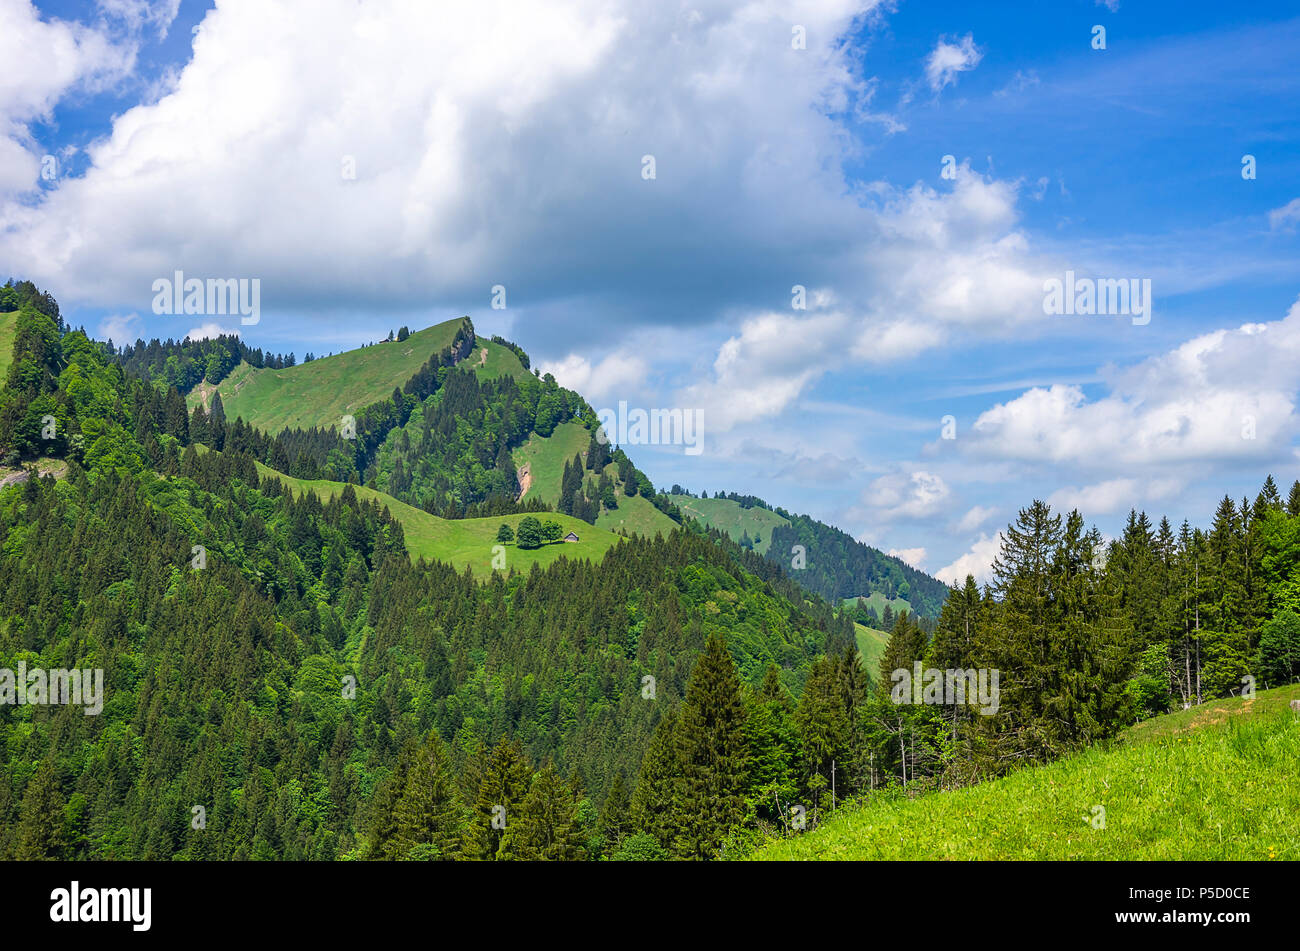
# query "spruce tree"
(505, 782)
(544, 827)
(711, 753)
(429, 816)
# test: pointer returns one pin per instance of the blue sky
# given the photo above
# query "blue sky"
(504, 143)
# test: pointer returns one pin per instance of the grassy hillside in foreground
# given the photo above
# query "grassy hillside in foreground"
(8, 330)
(321, 392)
(1214, 782)
(727, 516)
(468, 541)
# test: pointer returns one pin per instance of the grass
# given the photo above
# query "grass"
(320, 393)
(871, 644)
(636, 516)
(727, 516)
(1215, 782)
(465, 542)
(546, 456)
(8, 331)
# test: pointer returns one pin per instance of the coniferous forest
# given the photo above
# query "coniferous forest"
(283, 682)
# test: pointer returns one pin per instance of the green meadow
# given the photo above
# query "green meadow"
(1218, 781)
(322, 392)
(727, 516)
(466, 542)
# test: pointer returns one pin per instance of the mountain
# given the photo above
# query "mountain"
(833, 563)
(361, 638)
(278, 647)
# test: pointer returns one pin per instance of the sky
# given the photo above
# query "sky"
(830, 226)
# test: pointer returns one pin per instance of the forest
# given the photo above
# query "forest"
(284, 683)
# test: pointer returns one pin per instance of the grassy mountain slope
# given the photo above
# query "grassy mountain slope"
(635, 516)
(1213, 782)
(545, 457)
(321, 392)
(465, 542)
(8, 328)
(838, 566)
(871, 644)
(729, 516)
(877, 601)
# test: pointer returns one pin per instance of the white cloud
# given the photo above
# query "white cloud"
(933, 265)
(976, 516)
(978, 561)
(766, 366)
(210, 329)
(1287, 215)
(1113, 495)
(614, 376)
(120, 328)
(1229, 394)
(44, 60)
(138, 14)
(917, 494)
(493, 142)
(946, 60)
(912, 556)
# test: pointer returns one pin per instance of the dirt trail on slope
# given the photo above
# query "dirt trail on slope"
(482, 360)
(525, 478)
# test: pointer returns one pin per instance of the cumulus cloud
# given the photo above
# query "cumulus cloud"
(947, 59)
(210, 329)
(766, 366)
(1228, 394)
(120, 328)
(400, 157)
(978, 561)
(916, 494)
(1113, 495)
(976, 516)
(912, 556)
(43, 61)
(608, 378)
(932, 266)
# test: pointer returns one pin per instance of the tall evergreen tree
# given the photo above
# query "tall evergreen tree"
(710, 736)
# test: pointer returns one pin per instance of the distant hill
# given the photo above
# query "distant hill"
(321, 392)
(754, 523)
(835, 564)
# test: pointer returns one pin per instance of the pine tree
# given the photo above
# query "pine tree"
(429, 816)
(656, 785)
(40, 823)
(506, 779)
(544, 827)
(615, 814)
(711, 753)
